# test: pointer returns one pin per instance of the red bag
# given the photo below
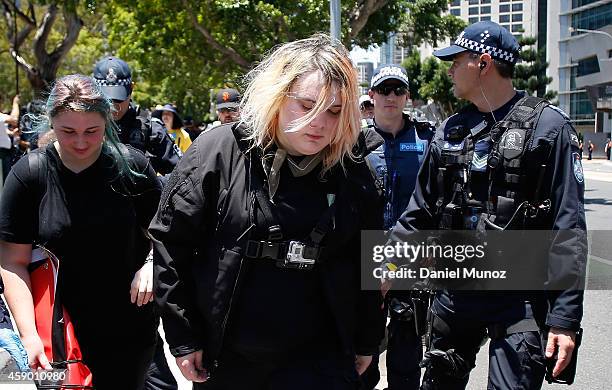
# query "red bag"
(54, 325)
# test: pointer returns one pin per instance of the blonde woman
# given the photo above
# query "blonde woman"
(259, 229)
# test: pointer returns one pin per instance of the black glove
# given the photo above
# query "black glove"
(448, 363)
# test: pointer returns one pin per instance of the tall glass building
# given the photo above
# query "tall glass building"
(585, 62)
(517, 16)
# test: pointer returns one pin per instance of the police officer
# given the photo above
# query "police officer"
(149, 136)
(396, 164)
(513, 155)
(366, 107)
(142, 132)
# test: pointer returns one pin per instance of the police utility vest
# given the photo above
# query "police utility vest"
(396, 163)
(514, 191)
(135, 129)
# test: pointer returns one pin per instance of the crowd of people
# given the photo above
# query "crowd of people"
(245, 237)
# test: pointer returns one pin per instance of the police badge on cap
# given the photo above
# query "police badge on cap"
(484, 37)
(114, 77)
(386, 72)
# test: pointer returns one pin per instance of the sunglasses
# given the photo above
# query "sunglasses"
(117, 101)
(230, 109)
(386, 90)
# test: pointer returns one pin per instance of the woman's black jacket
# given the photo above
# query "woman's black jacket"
(198, 234)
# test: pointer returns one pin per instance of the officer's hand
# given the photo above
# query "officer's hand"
(362, 363)
(141, 290)
(563, 341)
(191, 367)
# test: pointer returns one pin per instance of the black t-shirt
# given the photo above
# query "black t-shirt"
(101, 248)
(282, 312)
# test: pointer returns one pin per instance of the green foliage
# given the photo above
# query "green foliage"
(530, 75)
(437, 85)
(89, 46)
(391, 18)
(169, 49)
(430, 80)
(427, 22)
(181, 50)
(412, 64)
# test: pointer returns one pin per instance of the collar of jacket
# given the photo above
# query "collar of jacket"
(367, 141)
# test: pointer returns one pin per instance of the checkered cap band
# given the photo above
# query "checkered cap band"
(482, 48)
(106, 83)
(389, 72)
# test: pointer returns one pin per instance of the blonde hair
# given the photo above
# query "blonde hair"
(270, 82)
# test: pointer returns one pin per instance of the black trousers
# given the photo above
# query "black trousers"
(236, 373)
(404, 353)
(125, 370)
(516, 361)
(370, 378)
(159, 376)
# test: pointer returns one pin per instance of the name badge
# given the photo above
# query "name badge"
(411, 147)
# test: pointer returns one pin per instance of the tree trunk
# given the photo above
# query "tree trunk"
(359, 17)
(42, 74)
(49, 63)
(227, 51)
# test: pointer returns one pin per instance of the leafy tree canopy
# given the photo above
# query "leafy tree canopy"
(181, 50)
(186, 47)
(530, 74)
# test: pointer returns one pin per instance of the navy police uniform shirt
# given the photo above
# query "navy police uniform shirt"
(149, 135)
(471, 118)
(562, 184)
(396, 164)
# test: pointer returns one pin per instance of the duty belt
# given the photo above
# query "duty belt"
(287, 254)
(500, 331)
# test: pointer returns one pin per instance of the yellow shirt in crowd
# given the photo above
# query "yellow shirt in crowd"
(181, 138)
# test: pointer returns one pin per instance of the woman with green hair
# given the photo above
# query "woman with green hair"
(86, 198)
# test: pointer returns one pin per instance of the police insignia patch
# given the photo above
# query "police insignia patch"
(578, 172)
(111, 76)
(574, 140)
(452, 145)
(513, 140)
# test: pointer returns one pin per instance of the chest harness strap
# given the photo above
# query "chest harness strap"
(293, 254)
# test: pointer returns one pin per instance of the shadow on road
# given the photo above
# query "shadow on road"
(601, 201)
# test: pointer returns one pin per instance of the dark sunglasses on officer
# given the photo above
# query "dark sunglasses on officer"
(385, 90)
(366, 105)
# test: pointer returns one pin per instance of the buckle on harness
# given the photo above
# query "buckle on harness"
(532, 211)
(295, 257)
